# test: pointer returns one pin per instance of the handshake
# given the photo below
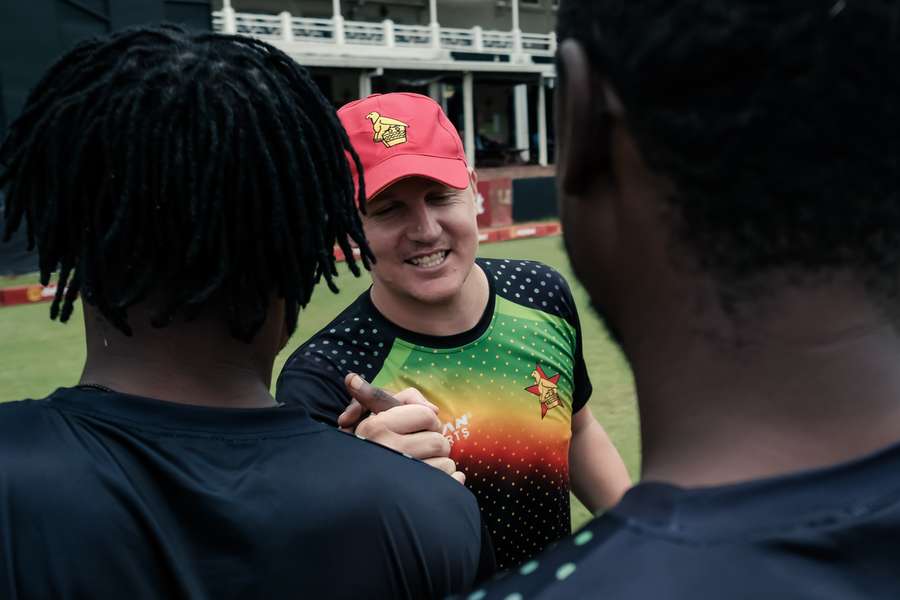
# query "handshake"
(405, 422)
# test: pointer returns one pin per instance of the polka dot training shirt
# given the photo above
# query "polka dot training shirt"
(506, 389)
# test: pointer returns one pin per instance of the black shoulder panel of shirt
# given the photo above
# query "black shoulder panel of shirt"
(531, 284)
(358, 340)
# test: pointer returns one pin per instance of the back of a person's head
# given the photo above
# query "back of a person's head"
(198, 172)
(776, 121)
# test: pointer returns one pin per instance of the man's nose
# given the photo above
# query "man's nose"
(425, 226)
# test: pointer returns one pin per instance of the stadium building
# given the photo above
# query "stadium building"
(489, 63)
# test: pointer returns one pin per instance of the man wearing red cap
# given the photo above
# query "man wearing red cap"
(494, 344)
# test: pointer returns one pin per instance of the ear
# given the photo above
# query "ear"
(585, 113)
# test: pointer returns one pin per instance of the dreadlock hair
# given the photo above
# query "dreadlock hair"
(776, 121)
(203, 169)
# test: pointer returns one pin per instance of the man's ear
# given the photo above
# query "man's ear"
(585, 112)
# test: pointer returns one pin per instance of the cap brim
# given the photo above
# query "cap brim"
(449, 171)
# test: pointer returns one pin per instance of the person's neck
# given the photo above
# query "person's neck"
(456, 315)
(197, 363)
(809, 380)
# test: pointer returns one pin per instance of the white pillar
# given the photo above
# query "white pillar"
(469, 117)
(287, 26)
(338, 21)
(365, 84)
(520, 115)
(230, 19)
(389, 40)
(542, 123)
(433, 24)
(435, 35)
(478, 38)
(516, 30)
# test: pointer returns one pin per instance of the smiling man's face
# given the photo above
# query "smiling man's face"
(424, 236)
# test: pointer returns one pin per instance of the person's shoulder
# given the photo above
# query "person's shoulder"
(383, 499)
(21, 424)
(38, 454)
(531, 284)
(395, 476)
(354, 313)
(391, 490)
(609, 557)
(355, 340)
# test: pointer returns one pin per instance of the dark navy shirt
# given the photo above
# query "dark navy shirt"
(829, 533)
(105, 495)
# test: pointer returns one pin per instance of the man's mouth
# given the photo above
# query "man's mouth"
(428, 261)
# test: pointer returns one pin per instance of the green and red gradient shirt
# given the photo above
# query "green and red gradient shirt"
(506, 389)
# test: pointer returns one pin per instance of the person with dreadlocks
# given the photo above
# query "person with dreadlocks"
(190, 188)
(730, 198)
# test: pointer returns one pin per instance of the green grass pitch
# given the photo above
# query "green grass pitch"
(37, 355)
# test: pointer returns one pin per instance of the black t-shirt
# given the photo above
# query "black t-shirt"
(828, 533)
(104, 495)
(506, 390)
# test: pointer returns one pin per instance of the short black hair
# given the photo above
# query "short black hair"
(195, 169)
(778, 122)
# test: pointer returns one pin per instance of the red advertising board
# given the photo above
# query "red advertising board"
(494, 202)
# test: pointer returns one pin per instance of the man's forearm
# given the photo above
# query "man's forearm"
(597, 474)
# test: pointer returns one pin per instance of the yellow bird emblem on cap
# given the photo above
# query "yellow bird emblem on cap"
(388, 131)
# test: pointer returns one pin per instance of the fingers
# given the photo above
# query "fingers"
(409, 418)
(370, 397)
(459, 476)
(413, 396)
(351, 415)
(443, 463)
(421, 445)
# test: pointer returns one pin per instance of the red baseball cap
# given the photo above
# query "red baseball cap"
(403, 135)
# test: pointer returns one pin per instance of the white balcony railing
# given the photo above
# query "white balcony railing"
(260, 26)
(386, 34)
(498, 41)
(315, 31)
(413, 36)
(364, 34)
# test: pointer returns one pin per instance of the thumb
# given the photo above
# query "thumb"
(370, 397)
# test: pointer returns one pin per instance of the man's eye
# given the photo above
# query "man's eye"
(381, 211)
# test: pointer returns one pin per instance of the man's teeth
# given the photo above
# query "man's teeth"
(431, 260)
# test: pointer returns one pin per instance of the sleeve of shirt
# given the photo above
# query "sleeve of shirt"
(583, 387)
(310, 379)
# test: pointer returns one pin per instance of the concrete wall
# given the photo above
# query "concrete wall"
(490, 14)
